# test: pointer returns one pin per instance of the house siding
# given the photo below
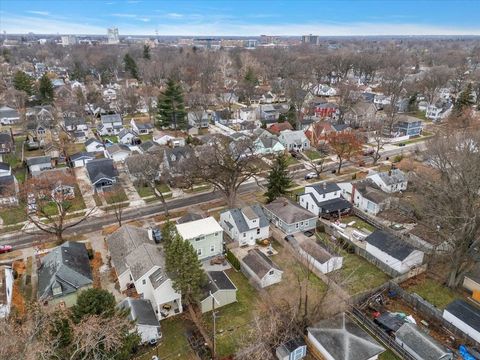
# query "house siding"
(471, 284)
(205, 244)
(467, 329)
(414, 259)
(148, 332)
(224, 297)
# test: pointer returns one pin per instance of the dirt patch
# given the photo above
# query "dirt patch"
(96, 263)
(107, 230)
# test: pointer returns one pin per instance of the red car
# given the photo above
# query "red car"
(5, 249)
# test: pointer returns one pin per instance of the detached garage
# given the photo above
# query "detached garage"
(465, 317)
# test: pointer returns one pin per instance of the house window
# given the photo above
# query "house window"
(296, 226)
(324, 196)
(244, 234)
(216, 234)
(258, 231)
(212, 248)
(270, 272)
(144, 282)
(301, 223)
(335, 193)
(199, 252)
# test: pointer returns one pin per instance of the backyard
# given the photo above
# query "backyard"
(358, 224)
(312, 154)
(431, 290)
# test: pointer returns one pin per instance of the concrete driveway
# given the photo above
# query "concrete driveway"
(85, 186)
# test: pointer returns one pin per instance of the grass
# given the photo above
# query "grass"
(146, 137)
(174, 342)
(117, 195)
(146, 191)
(12, 228)
(198, 188)
(434, 292)
(233, 319)
(357, 274)
(359, 223)
(312, 154)
(14, 215)
(112, 138)
(11, 255)
(20, 173)
(98, 201)
(291, 160)
(72, 148)
(388, 355)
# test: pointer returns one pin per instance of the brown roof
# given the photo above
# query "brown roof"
(278, 127)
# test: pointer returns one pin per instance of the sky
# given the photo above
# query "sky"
(242, 18)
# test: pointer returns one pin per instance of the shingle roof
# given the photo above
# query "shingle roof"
(422, 344)
(5, 138)
(218, 280)
(288, 211)
(68, 266)
(324, 187)
(371, 191)
(82, 155)
(116, 148)
(110, 118)
(256, 212)
(141, 311)
(92, 140)
(390, 244)
(189, 217)
(101, 168)
(466, 312)
(393, 177)
(259, 263)
(343, 339)
(4, 166)
(8, 112)
(72, 121)
(193, 229)
(38, 160)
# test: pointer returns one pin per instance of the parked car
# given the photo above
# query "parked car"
(368, 152)
(289, 238)
(5, 249)
(311, 175)
(308, 233)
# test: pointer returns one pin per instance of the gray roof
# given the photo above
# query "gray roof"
(7, 185)
(259, 263)
(141, 311)
(5, 138)
(39, 160)
(74, 121)
(254, 211)
(332, 205)
(392, 177)
(324, 187)
(82, 155)
(288, 211)
(125, 132)
(371, 191)
(130, 248)
(149, 145)
(189, 217)
(68, 266)
(4, 166)
(101, 169)
(218, 280)
(92, 140)
(110, 118)
(466, 312)
(421, 343)
(390, 244)
(343, 339)
(116, 148)
(8, 112)
(293, 136)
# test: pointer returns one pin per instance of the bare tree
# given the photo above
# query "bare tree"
(116, 198)
(345, 145)
(51, 200)
(433, 80)
(378, 141)
(449, 198)
(316, 165)
(392, 85)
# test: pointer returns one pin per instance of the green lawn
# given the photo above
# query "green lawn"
(115, 195)
(291, 160)
(312, 154)
(359, 223)
(174, 342)
(145, 138)
(146, 191)
(388, 355)
(233, 319)
(112, 138)
(434, 292)
(357, 274)
(13, 215)
(199, 188)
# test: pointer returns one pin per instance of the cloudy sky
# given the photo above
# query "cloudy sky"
(243, 18)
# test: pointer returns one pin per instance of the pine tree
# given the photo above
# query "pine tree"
(45, 90)
(184, 268)
(278, 179)
(131, 66)
(23, 82)
(464, 100)
(171, 107)
(146, 52)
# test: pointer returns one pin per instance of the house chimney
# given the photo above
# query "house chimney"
(150, 233)
(324, 185)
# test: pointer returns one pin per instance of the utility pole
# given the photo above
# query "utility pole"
(214, 325)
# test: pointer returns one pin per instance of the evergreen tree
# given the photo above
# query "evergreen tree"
(23, 82)
(171, 107)
(146, 52)
(45, 90)
(292, 116)
(250, 77)
(184, 268)
(131, 66)
(464, 100)
(278, 179)
(94, 302)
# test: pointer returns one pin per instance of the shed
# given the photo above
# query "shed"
(294, 349)
(221, 288)
(464, 316)
(260, 269)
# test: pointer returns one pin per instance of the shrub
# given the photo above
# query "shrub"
(232, 259)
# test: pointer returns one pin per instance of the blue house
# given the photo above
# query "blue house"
(408, 125)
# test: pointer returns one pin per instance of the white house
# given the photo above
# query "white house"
(393, 252)
(294, 140)
(109, 95)
(324, 90)
(319, 257)
(110, 124)
(464, 316)
(260, 269)
(75, 124)
(141, 128)
(117, 152)
(268, 145)
(8, 116)
(245, 225)
(39, 163)
(6, 290)
(141, 312)
(324, 200)
(93, 145)
(341, 338)
(81, 159)
(391, 181)
(163, 139)
(205, 235)
(139, 261)
(128, 137)
(366, 196)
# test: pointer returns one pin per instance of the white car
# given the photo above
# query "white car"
(311, 175)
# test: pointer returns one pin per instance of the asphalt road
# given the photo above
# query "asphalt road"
(22, 240)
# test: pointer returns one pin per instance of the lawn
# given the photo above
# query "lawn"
(291, 160)
(74, 148)
(112, 138)
(174, 343)
(13, 215)
(357, 274)
(359, 223)
(146, 191)
(233, 319)
(198, 188)
(145, 138)
(116, 195)
(312, 154)
(388, 355)
(434, 292)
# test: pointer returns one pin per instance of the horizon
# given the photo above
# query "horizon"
(242, 19)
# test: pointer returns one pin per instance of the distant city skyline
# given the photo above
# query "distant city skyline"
(241, 18)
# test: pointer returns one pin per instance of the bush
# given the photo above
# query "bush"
(233, 260)
(398, 158)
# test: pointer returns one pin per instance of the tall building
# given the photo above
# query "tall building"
(112, 35)
(311, 39)
(68, 40)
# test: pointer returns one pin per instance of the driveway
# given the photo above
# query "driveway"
(127, 185)
(85, 186)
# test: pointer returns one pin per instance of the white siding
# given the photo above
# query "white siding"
(308, 203)
(414, 259)
(467, 329)
(148, 332)
(272, 277)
